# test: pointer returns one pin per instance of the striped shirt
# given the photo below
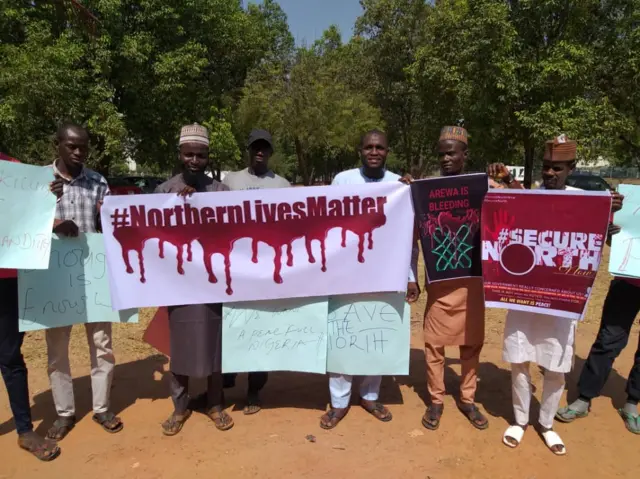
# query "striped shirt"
(80, 197)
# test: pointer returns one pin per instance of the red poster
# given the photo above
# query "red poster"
(157, 333)
(541, 249)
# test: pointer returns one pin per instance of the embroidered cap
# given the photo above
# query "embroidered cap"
(560, 149)
(194, 134)
(454, 133)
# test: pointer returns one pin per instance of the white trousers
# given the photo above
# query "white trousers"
(552, 389)
(102, 365)
(340, 388)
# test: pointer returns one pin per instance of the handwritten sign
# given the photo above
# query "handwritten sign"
(27, 209)
(625, 246)
(279, 335)
(74, 290)
(369, 334)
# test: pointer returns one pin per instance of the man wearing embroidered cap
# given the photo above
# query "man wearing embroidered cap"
(454, 315)
(544, 339)
(195, 330)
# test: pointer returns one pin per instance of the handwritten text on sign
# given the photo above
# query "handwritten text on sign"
(27, 209)
(74, 290)
(625, 246)
(282, 335)
(369, 334)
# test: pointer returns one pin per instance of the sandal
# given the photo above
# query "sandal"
(475, 417)
(61, 427)
(109, 421)
(513, 436)
(377, 410)
(44, 449)
(553, 442)
(173, 425)
(220, 418)
(332, 417)
(567, 415)
(253, 405)
(632, 423)
(432, 416)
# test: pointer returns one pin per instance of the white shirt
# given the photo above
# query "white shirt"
(544, 339)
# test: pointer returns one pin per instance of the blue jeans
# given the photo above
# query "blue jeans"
(12, 366)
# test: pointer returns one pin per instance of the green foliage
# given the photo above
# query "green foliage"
(514, 72)
(151, 67)
(313, 112)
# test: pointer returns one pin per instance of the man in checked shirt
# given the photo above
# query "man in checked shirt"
(80, 192)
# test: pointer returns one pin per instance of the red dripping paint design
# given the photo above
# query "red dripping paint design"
(219, 238)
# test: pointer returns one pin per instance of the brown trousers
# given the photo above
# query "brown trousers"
(469, 360)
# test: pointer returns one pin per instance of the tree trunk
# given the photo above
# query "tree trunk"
(302, 163)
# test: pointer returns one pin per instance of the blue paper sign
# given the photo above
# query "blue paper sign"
(74, 290)
(369, 334)
(624, 259)
(278, 335)
(27, 209)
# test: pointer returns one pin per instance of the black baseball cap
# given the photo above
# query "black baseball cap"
(257, 135)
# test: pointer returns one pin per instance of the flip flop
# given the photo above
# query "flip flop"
(567, 415)
(552, 439)
(514, 432)
(632, 423)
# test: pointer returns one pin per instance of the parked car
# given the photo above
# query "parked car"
(147, 184)
(588, 182)
(133, 185)
(122, 186)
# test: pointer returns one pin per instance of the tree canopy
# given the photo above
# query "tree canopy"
(513, 72)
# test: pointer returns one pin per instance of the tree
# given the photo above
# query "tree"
(388, 36)
(521, 72)
(150, 67)
(310, 108)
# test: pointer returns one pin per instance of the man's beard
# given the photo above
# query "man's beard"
(195, 179)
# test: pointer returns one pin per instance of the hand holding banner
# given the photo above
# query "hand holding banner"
(74, 290)
(224, 247)
(625, 246)
(448, 219)
(541, 249)
(27, 209)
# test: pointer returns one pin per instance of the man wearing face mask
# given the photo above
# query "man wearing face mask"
(257, 176)
(195, 330)
(374, 148)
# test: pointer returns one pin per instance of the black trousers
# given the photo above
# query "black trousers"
(257, 381)
(179, 387)
(620, 309)
(12, 366)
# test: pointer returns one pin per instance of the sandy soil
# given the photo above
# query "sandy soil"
(274, 442)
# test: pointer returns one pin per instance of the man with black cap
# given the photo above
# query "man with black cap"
(257, 176)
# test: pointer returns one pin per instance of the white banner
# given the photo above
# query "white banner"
(164, 250)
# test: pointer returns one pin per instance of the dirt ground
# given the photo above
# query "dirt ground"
(273, 443)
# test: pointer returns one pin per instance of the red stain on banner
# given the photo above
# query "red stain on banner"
(217, 229)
